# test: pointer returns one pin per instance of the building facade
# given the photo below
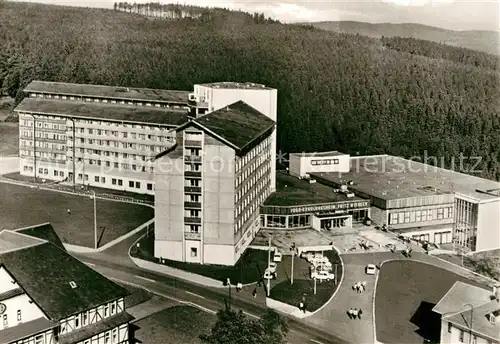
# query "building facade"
(61, 301)
(210, 186)
(107, 136)
(301, 164)
(425, 202)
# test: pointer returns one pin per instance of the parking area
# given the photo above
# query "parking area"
(348, 242)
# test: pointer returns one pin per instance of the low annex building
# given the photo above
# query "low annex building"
(49, 297)
(469, 314)
(424, 202)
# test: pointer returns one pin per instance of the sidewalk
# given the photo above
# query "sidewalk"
(154, 305)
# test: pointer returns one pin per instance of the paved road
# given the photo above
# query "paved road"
(209, 300)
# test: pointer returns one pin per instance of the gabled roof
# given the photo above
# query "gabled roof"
(478, 319)
(10, 241)
(238, 125)
(45, 271)
(43, 231)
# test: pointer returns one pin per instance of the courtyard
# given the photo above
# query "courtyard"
(406, 292)
(22, 206)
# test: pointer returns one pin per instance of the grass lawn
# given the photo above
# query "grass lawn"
(406, 293)
(9, 139)
(248, 269)
(137, 296)
(22, 206)
(485, 263)
(293, 294)
(175, 325)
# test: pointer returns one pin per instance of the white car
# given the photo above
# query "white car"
(322, 275)
(277, 257)
(268, 274)
(371, 269)
(309, 256)
(272, 267)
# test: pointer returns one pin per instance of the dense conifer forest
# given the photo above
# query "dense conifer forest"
(351, 93)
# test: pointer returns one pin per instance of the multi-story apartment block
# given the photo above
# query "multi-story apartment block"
(59, 301)
(107, 136)
(209, 186)
(97, 135)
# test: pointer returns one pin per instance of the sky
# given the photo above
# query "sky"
(447, 14)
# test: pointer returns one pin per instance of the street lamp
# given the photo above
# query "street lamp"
(268, 268)
(228, 281)
(292, 248)
(95, 218)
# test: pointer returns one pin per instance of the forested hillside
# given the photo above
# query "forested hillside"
(487, 41)
(336, 91)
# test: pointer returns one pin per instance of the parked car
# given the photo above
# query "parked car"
(277, 257)
(321, 267)
(310, 255)
(272, 267)
(322, 275)
(368, 221)
(268, 274)
(370, 269)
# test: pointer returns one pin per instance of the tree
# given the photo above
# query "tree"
(234, 327)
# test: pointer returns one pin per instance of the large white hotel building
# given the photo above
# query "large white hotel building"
(106, 136)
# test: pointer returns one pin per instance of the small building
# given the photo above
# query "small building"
(49, 297)
(469, 314)
(424, 202)
(297, 203)
(301, 164)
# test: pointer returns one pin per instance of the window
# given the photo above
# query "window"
(106, 337)
(19, 317)
(194, 252)
(39, 339)
(449, 327)
(115, 335)
(461, 336)
(96, 179)
(113, 181)
(150, 186)
(113, 308)
(131, 184)
(474, 339)
(77, 321)
(85, 318)
(5, 320)
(120, 182)
(55, 173)
(137, 185)
(106, 311)
(103, 180)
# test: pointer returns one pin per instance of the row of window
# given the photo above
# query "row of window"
(420, 215)
(261, 147)
(43, 135)
(122, 134)
(325, 162)
(43, 125)
(42, 155)
(295, 221)
(120, 144)
(110, 101)
(123, 166)
(40, 144)
(113, 154)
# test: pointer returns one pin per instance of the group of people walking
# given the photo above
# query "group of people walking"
(354, 313)
(359, 286)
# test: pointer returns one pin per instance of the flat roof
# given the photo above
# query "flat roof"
(237, 85)
(103, 111)
(292, 191)
(111, 92)
(318, 154)
(388, 177)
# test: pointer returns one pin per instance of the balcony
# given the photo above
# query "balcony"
(192, 158)
(196, 174)
(192, 143)
(192, 189)
(194, 205)
(192, 236)
(192, 220)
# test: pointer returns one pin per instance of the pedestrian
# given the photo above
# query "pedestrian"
(301, 306)
(254, 293)
(359, 287)
(239, 287)
(350, 313)
(359, 314)
(363, 284)
(355, 313)
(69, 211)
